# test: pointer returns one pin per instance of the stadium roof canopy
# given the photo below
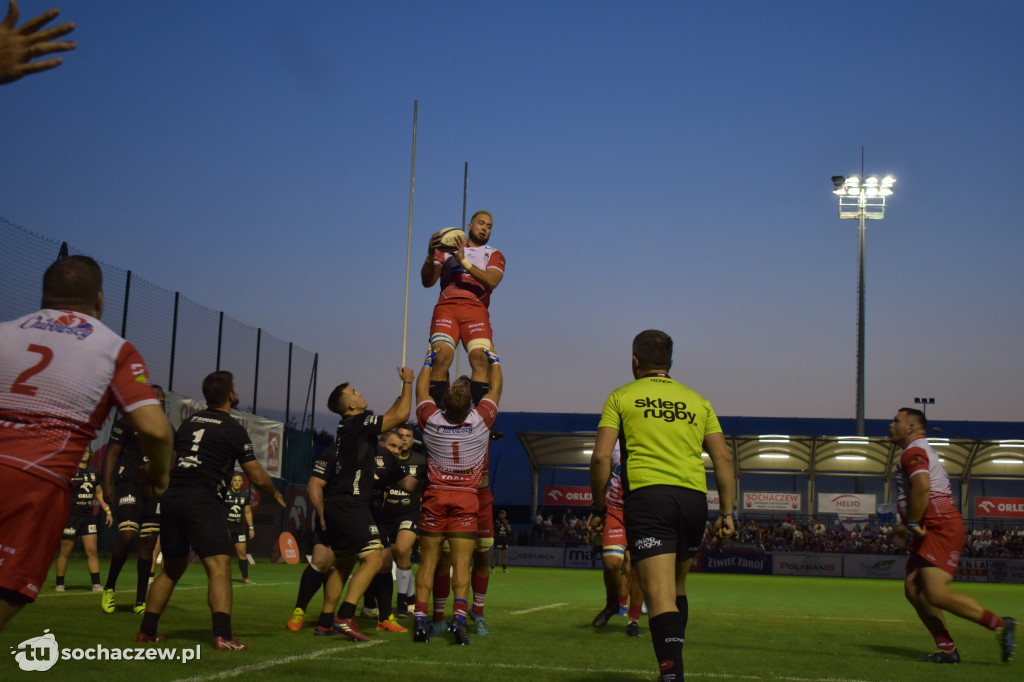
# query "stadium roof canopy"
(971, 450)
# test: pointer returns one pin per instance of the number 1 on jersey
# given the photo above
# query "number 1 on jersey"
(196, 437)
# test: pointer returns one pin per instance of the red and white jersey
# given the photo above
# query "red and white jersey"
(920, 459)
(456, 453)
(613, 498)
(60, 373)
(456, 283)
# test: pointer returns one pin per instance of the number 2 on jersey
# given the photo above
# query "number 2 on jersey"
(19, 386)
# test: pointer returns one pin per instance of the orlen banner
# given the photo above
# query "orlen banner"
(846, 505)
(1004, 507)
(567, 495)
(267, 435)
(772, 501)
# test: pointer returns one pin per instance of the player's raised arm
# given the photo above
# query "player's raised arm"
(423, 381)
(496, 378)
(725, 478)
(399, 412)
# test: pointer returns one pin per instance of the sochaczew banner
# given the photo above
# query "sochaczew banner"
(847, 505)
(790, 502)
(1004, 507)
(267, 435)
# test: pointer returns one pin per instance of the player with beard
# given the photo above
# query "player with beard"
(138, 517)
(468, 276)
(192, 514)
(238, 506)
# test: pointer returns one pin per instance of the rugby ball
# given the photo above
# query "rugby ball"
(451, 237)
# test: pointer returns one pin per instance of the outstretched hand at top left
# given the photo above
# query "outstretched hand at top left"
(19, 46)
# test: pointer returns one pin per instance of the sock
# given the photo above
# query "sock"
(403, 576)
(990, 620)
(383, 584)
(459, 608)
(243, 566)
(420, 611)
(684, 610)
(347, 610)
(142, 581)
(943, 640)
(667, 636)
(636, 610)
(479, 584)
(623, 599)
(309, 584)
(222, 625)
(60, 580)
(95, 578)
(442, 586)
(326, 620)
(370, 597)
(437, 390)
(149, 622)
(477, 390)
(116, 564)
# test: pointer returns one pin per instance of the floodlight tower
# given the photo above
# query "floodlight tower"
(864, 201)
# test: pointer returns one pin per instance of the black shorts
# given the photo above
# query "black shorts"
(79, 524)
(239, 533)
(391, 525)
(665, 519)
(500, 542)
(134, 510)
(194, 519)
(350, 526)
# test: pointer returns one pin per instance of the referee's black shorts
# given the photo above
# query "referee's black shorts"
(665, 519)
(196, 519)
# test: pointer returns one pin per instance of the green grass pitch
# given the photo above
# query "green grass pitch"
(740, 628)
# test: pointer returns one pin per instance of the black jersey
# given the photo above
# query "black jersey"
(399, 502)
(502, 528)
(387, 470)
(208, 445)
(348, 470)
(131, 460)
(83, 489)
(235, 503)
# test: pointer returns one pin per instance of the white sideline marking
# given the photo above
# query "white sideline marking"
(856, 620)
(279, 661)
(95, 595)
(580, 669)
(538, 608)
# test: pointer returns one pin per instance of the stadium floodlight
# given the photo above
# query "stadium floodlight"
(853, 440)
(855, 458)
(773, 455)
(1008, 461)
(863, 201)
(773, 439)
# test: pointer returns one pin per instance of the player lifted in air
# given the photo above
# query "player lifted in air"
(468, 275)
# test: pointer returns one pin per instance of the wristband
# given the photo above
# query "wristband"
(598, 511)
(724, 516)
(429, 360)
(466, 264)
(406, 382)
(911, 524)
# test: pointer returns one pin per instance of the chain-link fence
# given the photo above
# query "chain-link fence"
(182, 341)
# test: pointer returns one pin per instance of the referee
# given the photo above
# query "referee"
(662, 427)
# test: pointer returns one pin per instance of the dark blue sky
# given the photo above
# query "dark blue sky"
(656, 164)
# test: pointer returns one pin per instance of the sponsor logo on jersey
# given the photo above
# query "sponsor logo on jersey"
(670, 411)
(68, 323)
(127, 499)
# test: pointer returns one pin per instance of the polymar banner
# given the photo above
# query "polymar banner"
(847, 505)
(267, 435)
(1003, 507)
(822, 565)
(790, 502)
(567, 495)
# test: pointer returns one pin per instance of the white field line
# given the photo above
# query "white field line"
(538, 608)
(96, 595)
(798, 617)
(242, 670)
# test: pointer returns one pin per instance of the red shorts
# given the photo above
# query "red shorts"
(32, 516)
(461, 319)
(485, 513)
(614, 533)
(448, 510)
(940, 547)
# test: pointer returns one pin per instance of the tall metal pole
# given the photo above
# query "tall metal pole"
(860, 330)
(465, 193)
(408, 247)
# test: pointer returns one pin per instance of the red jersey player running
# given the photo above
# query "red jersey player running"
(61, 370)
(456, 439)
(468, 276)
(926, 506)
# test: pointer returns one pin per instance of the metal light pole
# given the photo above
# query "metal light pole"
(864, 201)
(924, 403)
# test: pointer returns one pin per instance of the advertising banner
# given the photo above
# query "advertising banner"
(536, 556)
(847, 505)
(790, 502)
(735, 562)
(567, 496)
(267, 435)
(1005, 571)
(822, 565)
(713, 501)
(581, 557)
(1002, 507)
(888, 566)
(972, 571)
